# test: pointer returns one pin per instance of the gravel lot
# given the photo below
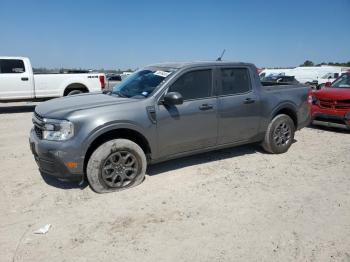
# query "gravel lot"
(239, 204)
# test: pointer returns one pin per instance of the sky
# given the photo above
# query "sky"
(130, 34)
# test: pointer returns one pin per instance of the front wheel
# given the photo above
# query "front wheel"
(116, 165)
(279, 135)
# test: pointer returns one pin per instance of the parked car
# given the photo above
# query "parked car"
(330, 106)
(163, 112)
(112, 81)
(18, 82)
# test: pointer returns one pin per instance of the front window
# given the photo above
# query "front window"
(194, 85)
(342, 82)
(141, 83)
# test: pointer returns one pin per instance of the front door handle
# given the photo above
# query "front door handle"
(24, 78)
(206, 107)
(249, 101)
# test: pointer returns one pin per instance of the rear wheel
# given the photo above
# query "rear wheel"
(74, 92)
(116, 165)
(279, 135)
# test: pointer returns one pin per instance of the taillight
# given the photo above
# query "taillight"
(102, 81)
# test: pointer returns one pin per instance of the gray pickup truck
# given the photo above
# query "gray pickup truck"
(161, 112)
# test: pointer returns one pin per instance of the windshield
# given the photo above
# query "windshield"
(342, 82)
(141, 83)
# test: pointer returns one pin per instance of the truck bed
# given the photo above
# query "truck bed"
(273, 86)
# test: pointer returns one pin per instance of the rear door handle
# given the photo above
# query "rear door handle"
(249, 101)
(206, 107)
(24, 78)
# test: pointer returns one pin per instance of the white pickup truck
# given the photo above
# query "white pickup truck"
(18, 82)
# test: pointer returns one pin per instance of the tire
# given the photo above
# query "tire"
(116, 165)
(279, 135)
(74, 92)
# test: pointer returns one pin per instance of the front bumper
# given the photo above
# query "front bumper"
(331, 120)
(51, 158)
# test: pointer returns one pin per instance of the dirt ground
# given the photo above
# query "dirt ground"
(238, 204)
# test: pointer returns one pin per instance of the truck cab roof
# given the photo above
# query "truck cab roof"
(180, 65)
(13, 57)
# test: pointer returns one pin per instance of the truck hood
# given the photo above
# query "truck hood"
(61, 107)
(333, 93)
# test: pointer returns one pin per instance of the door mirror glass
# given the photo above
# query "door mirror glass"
(173, 98)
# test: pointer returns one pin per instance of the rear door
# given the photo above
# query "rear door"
(238, 105)
(193, 124)
(15, 81)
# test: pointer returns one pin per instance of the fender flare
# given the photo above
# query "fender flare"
(97, 132)
(286, 105)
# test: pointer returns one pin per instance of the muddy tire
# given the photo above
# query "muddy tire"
(116, 165)
(279, 135)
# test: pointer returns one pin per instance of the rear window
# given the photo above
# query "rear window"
(234, 81)
(11, 66)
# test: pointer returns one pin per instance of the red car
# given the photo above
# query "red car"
(330, 106)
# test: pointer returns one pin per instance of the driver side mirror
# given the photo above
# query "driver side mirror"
(328, 84)
(173, 98)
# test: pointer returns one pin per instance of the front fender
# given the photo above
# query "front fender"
(100, 130)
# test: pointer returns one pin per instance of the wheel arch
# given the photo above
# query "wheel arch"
(115, 133)
(75, 86)
(287, 109)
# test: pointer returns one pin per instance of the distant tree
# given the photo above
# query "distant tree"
(308, 63)
(333, 64)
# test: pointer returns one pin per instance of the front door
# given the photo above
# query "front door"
(193, 124)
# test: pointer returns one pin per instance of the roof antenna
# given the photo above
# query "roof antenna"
(220, 57)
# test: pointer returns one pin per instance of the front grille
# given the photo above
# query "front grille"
(39, 117)
(38, 132)
(335, 104)
(46, 165)
(326, 104)
(38, 125)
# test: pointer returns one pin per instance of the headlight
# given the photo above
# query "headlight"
(312, 100)
(57, 130)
